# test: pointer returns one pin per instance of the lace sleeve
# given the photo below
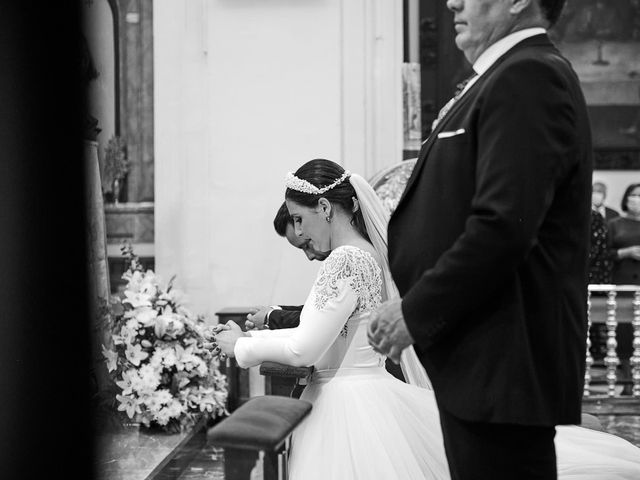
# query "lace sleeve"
(333, 298)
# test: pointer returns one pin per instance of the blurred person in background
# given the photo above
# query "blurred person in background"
(624, 238)
(600, 255)
(598, 196)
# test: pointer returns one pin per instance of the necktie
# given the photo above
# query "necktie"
(458, 93)
(460, 86)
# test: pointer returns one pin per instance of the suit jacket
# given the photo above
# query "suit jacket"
(288, 317)
(489, 244)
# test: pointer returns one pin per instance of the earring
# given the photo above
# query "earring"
(328, 219)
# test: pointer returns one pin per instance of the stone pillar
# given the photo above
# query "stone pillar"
(98, 269)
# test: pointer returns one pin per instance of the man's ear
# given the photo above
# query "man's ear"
(518, 6)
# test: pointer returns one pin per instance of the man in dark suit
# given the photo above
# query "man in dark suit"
(489, 245)
(598, 196)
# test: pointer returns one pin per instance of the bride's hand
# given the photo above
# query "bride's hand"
(226, 339)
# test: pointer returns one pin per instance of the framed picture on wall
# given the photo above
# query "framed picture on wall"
(601, 38)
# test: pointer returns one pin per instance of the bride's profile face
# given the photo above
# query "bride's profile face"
(311, 223)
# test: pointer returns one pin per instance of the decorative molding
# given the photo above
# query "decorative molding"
(372, 50)
(390, 183)
(129, 222)
(129, 207)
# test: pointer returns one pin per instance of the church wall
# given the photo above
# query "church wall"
(245, 91)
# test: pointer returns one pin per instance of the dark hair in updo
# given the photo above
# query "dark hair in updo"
(321, 172)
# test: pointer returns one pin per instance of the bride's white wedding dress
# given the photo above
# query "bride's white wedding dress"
(366, 424)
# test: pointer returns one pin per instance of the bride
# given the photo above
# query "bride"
(365, 423)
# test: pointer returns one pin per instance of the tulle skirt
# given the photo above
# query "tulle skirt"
(585, 454)
(367, 425)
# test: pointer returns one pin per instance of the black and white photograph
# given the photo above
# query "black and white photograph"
(320, 239)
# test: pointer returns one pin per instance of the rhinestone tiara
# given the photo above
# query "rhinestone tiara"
(300, 185)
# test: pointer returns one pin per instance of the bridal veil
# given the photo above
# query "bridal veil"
(376, 219)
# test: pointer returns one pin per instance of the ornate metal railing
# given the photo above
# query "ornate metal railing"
(612, 316)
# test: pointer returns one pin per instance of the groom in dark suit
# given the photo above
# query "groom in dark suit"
(488, 247)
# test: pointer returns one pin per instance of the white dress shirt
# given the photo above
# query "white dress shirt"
(498, 49)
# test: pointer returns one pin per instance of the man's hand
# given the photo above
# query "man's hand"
(257, 318)
(388, 333)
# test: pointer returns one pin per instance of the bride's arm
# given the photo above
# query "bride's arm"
(280, 332)
(331, 303)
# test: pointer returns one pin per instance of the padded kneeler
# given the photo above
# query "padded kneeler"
(262, 424)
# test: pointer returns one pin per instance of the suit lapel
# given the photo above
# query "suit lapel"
(428, 143)
(537, 40)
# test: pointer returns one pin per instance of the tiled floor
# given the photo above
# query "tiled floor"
(620, 418)
(208, 464)
(625, 426)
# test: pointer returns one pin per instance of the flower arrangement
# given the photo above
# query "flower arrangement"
(159, 357)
